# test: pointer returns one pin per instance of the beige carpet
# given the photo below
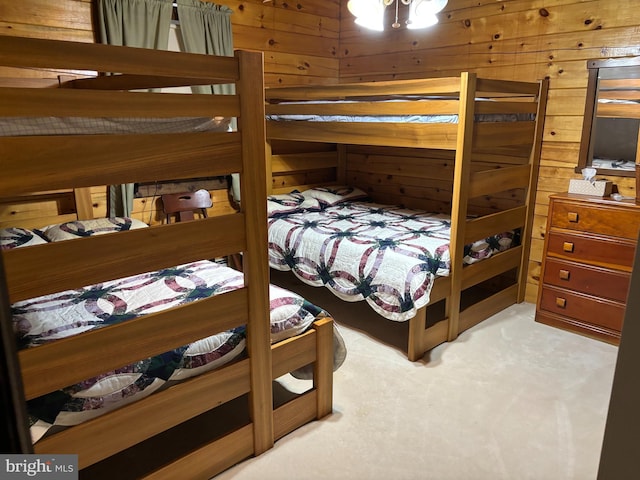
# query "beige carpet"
(509, 399)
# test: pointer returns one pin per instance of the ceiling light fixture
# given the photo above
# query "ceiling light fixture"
(370, 13)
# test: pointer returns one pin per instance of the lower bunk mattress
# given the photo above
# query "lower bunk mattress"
(49, 318)
(387, 255)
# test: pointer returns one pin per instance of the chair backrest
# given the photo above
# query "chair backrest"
(183, 205)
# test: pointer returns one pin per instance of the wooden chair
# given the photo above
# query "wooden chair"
(183, 205)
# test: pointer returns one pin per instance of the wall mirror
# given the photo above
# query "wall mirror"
(612, 117)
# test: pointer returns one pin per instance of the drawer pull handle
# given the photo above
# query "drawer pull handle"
(567, 247)
(561, 302)
(572, 217)
(564, 274)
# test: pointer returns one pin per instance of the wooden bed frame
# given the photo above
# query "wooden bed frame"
(77, 163)
(485, 158)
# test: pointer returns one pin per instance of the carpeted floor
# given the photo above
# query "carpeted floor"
(509, 399)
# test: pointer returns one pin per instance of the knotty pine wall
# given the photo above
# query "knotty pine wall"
(513, 40)
(299, 39)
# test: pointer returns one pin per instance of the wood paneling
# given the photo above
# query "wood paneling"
(300, 39)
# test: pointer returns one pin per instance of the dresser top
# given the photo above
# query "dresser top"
(630, 203)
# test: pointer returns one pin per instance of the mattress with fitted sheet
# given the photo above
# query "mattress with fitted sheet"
(413, 118)
(386, 255)
(25, 126)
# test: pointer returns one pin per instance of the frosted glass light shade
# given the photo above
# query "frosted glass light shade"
(422, 13)
(369, 13)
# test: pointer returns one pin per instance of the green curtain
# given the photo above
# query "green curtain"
(132, 23)
(206, 29)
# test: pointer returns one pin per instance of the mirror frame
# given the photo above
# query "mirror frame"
(591, 105)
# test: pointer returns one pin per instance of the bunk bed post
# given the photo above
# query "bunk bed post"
(462, 175)
(17, 438)
(268, 167)
(255, 265)
(84, 205)
(323, 367)
(341, 168)
(417, 327)
(534, 164)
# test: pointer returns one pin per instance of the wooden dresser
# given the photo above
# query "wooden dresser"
(587, 261)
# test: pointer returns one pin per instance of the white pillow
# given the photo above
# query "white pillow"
(15, 237)
(88, 228)
(329, 196)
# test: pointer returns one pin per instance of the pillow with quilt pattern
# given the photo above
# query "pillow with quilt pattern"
(329, 196)
(293, 202)
(15, 237)
(88, 228)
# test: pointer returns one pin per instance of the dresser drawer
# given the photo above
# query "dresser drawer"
(600, 282)
(604, 313)
(601, 219)
(600, 251)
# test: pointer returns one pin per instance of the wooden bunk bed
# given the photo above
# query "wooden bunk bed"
(482, 160)
(55, 166)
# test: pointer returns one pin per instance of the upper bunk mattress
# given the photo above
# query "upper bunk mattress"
(440, 118)
(386, 255)
(26, 126)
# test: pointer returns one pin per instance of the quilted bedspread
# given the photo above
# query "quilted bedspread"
(386, 255)
(51, 317)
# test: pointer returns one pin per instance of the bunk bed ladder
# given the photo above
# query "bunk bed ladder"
(461, 180)
(534, 164)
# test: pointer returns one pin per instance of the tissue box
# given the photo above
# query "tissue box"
(599, 188)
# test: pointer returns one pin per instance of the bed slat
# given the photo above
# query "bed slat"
(44, 163)
(437, 135)
(54, 267)
(137, 82)
(303, 161)
(428, 86)
(108, 348)
(211, 459)
(483, 227)
(499, 134)
(288, 354)
(499, 180)
(485, 308)
(296, 412)
(490, 267)
(126, 426)
(507, 86)
(35, 102)
(41, 53)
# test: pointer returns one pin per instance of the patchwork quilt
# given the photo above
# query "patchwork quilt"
(386, 255)
(48, 318)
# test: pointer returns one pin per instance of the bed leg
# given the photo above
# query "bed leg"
(323, 368)
(417, 327)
